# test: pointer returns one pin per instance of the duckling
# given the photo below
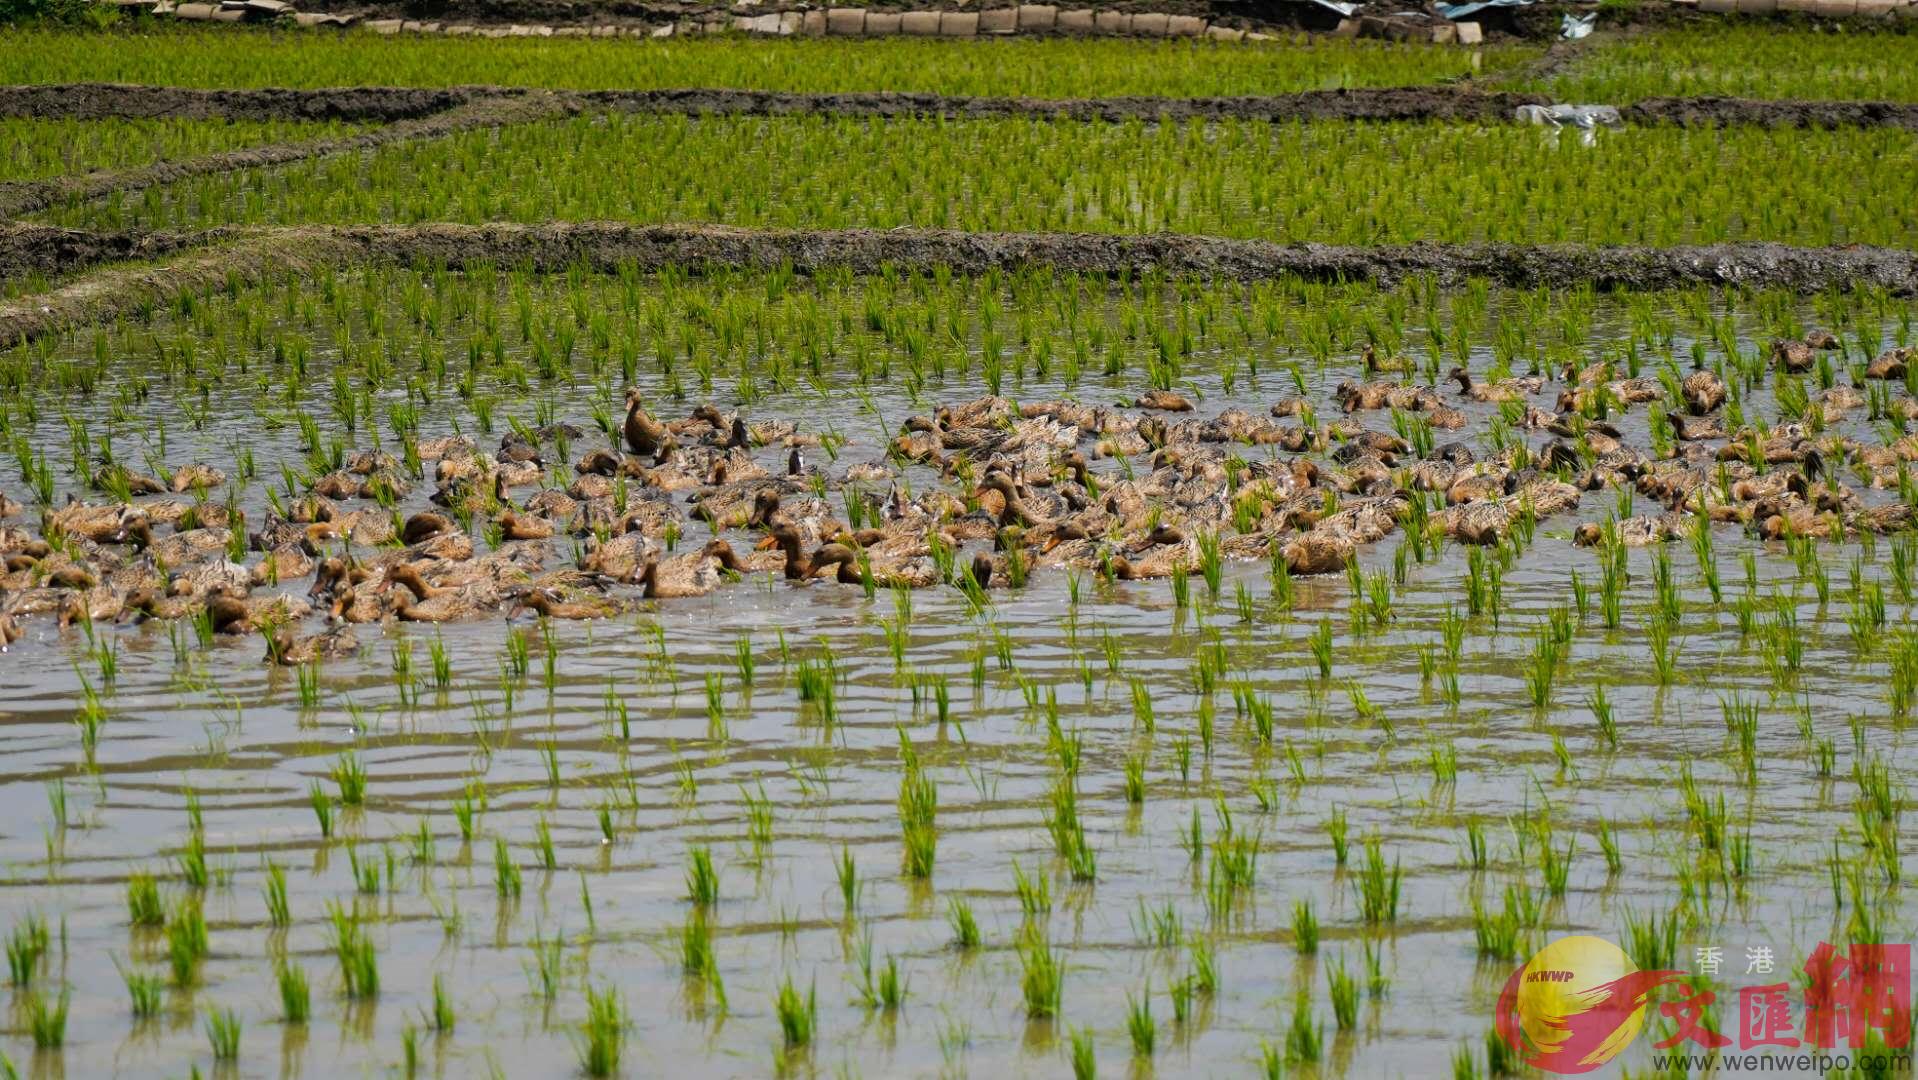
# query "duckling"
(1014, 510)
(798, 565)
(100, 523)
(981, 569)
(1884, 519)
(1157, 562)
(517, 526)
(1703, 392)
(1795, 357)
(196, 477)
(1163, 400)
(1503, 390)
(290, 650)
(684, 576)
(1319, 550)
(76, 576)
(115, 475)
(424, 526)
(1890, 364)
(10, 631)
(8, 507)
(1637, 531)
(289, 562)
(91, 605)
(435, 603)
(1695, 429)
(552, 604)
(144, 604)
(643, 434)
(445, 446)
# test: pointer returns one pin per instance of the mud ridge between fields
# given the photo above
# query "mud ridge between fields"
(1459, 101)
(253, 255)
(27, 249)
(98, 101)
(27, 197)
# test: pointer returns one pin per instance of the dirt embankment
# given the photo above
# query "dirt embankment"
(1458, 101)
(97, 101)
(1726, 111)
(50, 250)
(1390, 103)
(256, 255)
(30, 196)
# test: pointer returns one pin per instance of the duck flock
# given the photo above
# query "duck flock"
(1147, 489)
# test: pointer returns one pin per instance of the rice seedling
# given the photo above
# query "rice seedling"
(702, 881)
(223, 1031)
(357, 955)
(1345, 994)
(186, 939)
(1139, 1023)
(143, 991)
(1651, 941)
(797, 1015)
(1378, 886)
(1082, 1052)
(544, 972)
(506, 873)
(350, 775)
(278, 909)
(1035, 892)
(192, 861)
(294, 998)
(366, 875)
(965, 926)
(886, 989)
(1321, 643)
(603, 1033)
(1335, 830)
(1042, 979)
(1305, 927)
(47, 1021)
(1204, 976)
(1305, 1035)
(144, 907)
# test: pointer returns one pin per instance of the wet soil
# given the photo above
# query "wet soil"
(1386, 103)
(95, 101)
(260, 254)
(1721, 111)
(46, 249)
(497, 104)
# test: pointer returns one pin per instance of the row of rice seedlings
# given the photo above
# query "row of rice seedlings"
(1027, 176)
(1772, 63)
(628, 343)
(1016, 67)
(45, 148)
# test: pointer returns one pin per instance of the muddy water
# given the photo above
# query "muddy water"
(216, 725)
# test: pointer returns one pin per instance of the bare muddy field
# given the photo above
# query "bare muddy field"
(921, 673)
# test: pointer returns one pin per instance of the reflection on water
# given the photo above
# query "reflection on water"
(649, 727)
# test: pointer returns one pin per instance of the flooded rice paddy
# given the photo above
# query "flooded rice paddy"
(1224, 791)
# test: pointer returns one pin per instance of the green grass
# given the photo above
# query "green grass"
(1031, 67)
(40, 149)
(1328, 181)
(1754, 60)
